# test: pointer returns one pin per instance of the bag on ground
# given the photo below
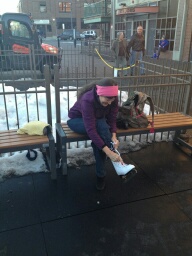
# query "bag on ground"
(131, 114)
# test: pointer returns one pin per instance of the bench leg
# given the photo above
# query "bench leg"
(62, 150)
(50, 156)
(64, 158)
(52, 160)
(179, 141)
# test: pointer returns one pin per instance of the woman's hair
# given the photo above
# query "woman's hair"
(119, 33)
(103, 82)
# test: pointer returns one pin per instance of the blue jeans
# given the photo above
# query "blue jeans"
(77, 125)
(158, 49)
(137, 56)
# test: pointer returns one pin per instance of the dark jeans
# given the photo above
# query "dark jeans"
(77, 126)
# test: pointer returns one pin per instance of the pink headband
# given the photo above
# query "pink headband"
(108, 91)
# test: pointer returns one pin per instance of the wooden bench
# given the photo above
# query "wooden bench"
(163, 122)
(11, 141)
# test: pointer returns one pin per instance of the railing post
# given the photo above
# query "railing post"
(58, 42)
(93, 53)
(189, 93)
(99, 48)
(57, 97)
(48, 93)
(33, 62)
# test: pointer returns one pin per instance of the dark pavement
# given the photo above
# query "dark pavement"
(149, 215)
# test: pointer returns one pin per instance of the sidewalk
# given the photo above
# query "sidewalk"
(150, 215)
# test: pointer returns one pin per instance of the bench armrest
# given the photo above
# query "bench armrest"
(50, 136)
(59, 129)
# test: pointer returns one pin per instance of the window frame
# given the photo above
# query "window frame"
(65, 7)
(41, 5)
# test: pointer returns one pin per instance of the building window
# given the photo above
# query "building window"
(42, 7)
(49, 28)
(120, 25)
(166, 27)
(64, 7)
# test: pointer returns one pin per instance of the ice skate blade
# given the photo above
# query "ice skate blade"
(128, 176)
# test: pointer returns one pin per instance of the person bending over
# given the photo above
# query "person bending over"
(94, 113)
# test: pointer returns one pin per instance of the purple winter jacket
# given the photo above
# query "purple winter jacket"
(89, 108)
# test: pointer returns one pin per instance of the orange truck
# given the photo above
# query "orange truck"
(20, 47)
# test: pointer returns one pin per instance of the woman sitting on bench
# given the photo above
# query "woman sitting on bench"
(162, 47)
(94, 114)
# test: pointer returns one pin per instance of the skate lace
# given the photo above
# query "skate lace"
(114, 149)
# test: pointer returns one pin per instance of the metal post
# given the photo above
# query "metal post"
(71, 18)
(57, 91)
(58, 42)
(113, 21)
(48, 93)
(93, 68)
(189, 96)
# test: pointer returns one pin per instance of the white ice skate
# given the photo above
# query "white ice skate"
(121, 169)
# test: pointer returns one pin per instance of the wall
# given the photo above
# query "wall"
(188, 33)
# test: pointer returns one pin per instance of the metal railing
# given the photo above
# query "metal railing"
(90, 58)
(170, 93)
(26, 63)
(18, 107)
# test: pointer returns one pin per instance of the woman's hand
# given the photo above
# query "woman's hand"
(112, 155)
(115, 157)
(115, 141)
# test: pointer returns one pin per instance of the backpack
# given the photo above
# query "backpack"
(131, 114)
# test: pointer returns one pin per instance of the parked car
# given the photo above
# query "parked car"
(89, 34)
(68, 34)
(82, 35)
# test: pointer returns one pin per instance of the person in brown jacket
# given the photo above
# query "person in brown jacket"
(137, 43)
(119, 47)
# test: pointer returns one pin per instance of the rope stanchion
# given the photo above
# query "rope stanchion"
(110, 65)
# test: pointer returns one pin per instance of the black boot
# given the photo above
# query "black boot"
(100, 184)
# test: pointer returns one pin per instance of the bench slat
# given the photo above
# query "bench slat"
(11, 138)
(19, 143)
(22, 137)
